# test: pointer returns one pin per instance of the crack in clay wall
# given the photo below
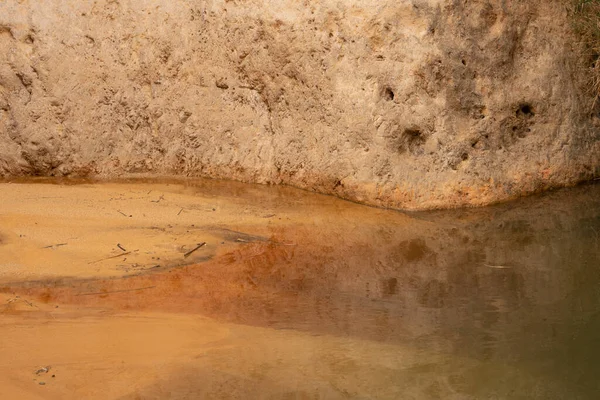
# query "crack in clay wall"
(410, 104)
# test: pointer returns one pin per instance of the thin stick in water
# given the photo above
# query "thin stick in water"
(186, 255)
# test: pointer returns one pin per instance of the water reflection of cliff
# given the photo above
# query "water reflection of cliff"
(437, 272)
(515, 284)
(352, 270)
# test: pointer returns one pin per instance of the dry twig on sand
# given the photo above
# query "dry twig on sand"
(54, 245)
(108, 258)
(186, 255)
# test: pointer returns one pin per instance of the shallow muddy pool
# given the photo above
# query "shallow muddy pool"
(218, 290)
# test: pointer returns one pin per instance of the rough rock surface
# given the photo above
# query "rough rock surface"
(408, 104)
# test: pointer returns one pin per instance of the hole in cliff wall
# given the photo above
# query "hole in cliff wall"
(411, 140)
(415, 140)
(525, 110)
(514, 128)
(520, 131)
(4, 30)
(388, 94)
(455, 160)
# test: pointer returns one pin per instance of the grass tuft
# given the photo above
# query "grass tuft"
(586, 20)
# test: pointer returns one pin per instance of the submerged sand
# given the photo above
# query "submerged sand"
(293, 295)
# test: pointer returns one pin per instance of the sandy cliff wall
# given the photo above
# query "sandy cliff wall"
(406, 104)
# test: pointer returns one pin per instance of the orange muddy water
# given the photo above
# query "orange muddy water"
(219, 290)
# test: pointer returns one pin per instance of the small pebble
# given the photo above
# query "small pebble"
(42, 383)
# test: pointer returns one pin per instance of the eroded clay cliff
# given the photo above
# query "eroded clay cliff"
(408, 104)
